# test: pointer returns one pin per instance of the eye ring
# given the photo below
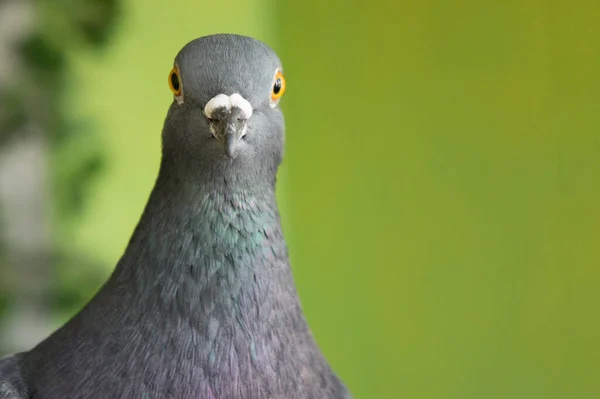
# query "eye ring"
(278, 87)
(175, 81)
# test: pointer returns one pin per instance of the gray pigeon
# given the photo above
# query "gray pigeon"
(202, 303)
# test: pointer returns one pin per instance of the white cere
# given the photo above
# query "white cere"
(223, 101)
(240, 102)
(217, 102)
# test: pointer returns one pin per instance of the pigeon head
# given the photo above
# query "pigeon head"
(225, 114)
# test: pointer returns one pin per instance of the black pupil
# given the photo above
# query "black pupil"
(277, 86)
(175, 81)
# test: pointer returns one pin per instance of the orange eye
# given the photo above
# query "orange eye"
(278, 87)
(175, 81)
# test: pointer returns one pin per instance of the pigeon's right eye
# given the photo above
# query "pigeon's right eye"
(175, 81)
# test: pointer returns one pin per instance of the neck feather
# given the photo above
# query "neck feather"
(201, 246)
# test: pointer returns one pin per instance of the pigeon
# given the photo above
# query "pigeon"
(202, 303)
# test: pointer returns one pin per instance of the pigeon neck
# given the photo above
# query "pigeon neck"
(209, 249)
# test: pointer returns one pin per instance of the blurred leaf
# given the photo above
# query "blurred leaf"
(72, 22)
(13, 114)
(77, 160)
(40, 55)
(79, 278)
(95, 19)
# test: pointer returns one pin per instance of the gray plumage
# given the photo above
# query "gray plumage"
(12, 381)
(202, 303)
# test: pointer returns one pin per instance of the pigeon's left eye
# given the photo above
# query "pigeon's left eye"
(175, 81)
(278, 87)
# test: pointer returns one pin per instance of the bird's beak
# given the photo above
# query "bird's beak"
(228, 119)
(233, 128)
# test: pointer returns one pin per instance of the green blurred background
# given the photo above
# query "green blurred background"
(439, 193)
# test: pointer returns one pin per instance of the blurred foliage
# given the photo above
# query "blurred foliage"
(78, 277)
(34, 96)
(3, 297)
